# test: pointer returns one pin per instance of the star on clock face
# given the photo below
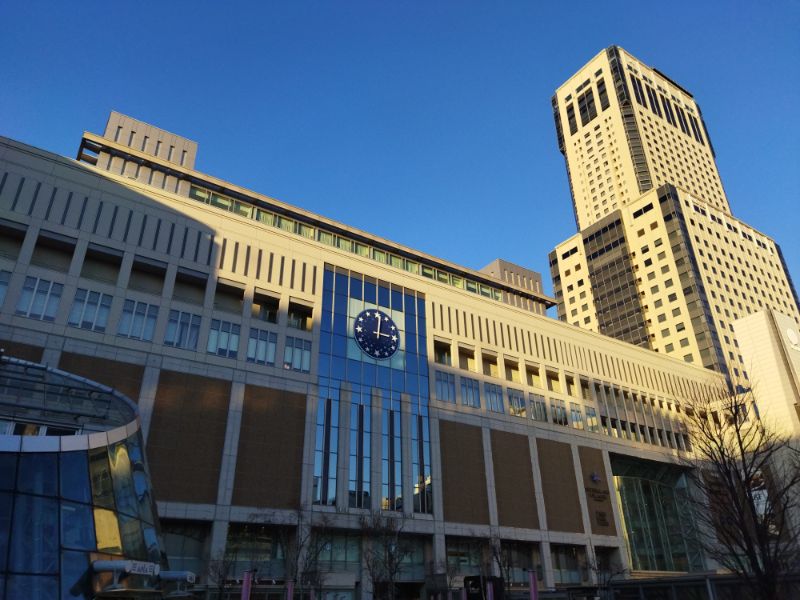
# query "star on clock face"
(376, 334)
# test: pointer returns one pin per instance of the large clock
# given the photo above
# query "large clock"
(376, 333)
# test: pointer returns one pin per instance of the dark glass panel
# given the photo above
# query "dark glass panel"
(74, 476)
(102, 488)
(75, 576)
(341, 284)
(32, 586)
(397, 300)
(8, 470)
(121, 479)
(369, 292)
(151, 543)
(5, 529)
(141, 481)
(77, 526)
(356, 288)
(34, 537)
(132, 541)
(383, 296)
(37, 473)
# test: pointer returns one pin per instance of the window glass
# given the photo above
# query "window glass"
(73, 570)
(8, 470)
(74, 476)
(34, 538)
(131, 533)
(141, 484)
(5, 528)
(77, 527)
(90, 310)
(261, 347)
(138, 320)
(108, 538)
(32, 586)
(102, 488)
(121, 478)
(37, 473)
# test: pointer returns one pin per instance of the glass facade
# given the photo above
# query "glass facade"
(62, 510)
(384, 396)
(657, 516)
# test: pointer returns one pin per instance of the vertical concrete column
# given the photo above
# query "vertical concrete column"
(309, 446)
(491, 495)
(230, 449)
(219, 537)
(547, 565)
(576, 463)
(147, 393)
(615, 509)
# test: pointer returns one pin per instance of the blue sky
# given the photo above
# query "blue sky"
(428, 123)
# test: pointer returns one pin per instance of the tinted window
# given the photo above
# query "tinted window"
(34, 541)
(75, 477)
(37, 473)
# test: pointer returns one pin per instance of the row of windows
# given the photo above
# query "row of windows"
(266, 217)
(90, 310)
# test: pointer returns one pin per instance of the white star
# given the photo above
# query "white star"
(394, 337)
(359, 328)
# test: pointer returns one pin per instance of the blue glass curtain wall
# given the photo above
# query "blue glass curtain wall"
(61, 511)
(346, 373)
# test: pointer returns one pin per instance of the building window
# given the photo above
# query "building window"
(470, 392)
(90, 310)
(138, 320)
(445, 387)
(223, 338)
(261, 347)
(265, 308)
(538, 407)
(299, 317)
(591, 420)
(558, 410)
(576, 414)
(441, 353)
(494, 397)
(5, 278)
(516, 403)
(183, 329)
(39, 299)
(297, 355)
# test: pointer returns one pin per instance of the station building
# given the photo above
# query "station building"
(293, 372)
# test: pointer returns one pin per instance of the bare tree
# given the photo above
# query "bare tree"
(605, 571)
(303, 544)
(384, 552)
(220, 572)
(748, 479)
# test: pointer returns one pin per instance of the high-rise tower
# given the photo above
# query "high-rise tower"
(659, 260)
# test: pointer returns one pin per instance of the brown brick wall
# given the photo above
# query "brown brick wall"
(124, 377)
(598, 496)
(270, 457)
(23, 351)
(559, 488)
(513, 480)
(463, 473)
(187, 435)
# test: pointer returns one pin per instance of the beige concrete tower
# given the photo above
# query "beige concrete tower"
(659, 260)
(625, 128)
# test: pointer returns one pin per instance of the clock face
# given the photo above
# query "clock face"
(376, 333)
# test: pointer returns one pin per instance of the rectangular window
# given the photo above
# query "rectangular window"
(183, 329)
(558, 410)
(651, 96)
(494, 397)
(445, 387)
(538, 407)
(138, 320)
(576, 414)
(516, 403)
(586, 107)
(602, 93)
(223, 338)
(261, 347)
(39, 299)
(573, 123)
(668, 111)
(299, 317)
(297, 355)
(90, 310)
(638, 91)
(470, 392)
(682, 119)
(591, 419)
(5, 278)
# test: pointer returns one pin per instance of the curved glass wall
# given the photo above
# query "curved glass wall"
(68, 501)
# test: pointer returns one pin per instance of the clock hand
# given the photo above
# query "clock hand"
(378, 330)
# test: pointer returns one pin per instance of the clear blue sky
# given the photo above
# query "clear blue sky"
(428, 123)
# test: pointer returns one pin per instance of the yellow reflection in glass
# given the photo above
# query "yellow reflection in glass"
(107, 529)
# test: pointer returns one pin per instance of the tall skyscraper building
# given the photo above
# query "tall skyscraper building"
(659, 260)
